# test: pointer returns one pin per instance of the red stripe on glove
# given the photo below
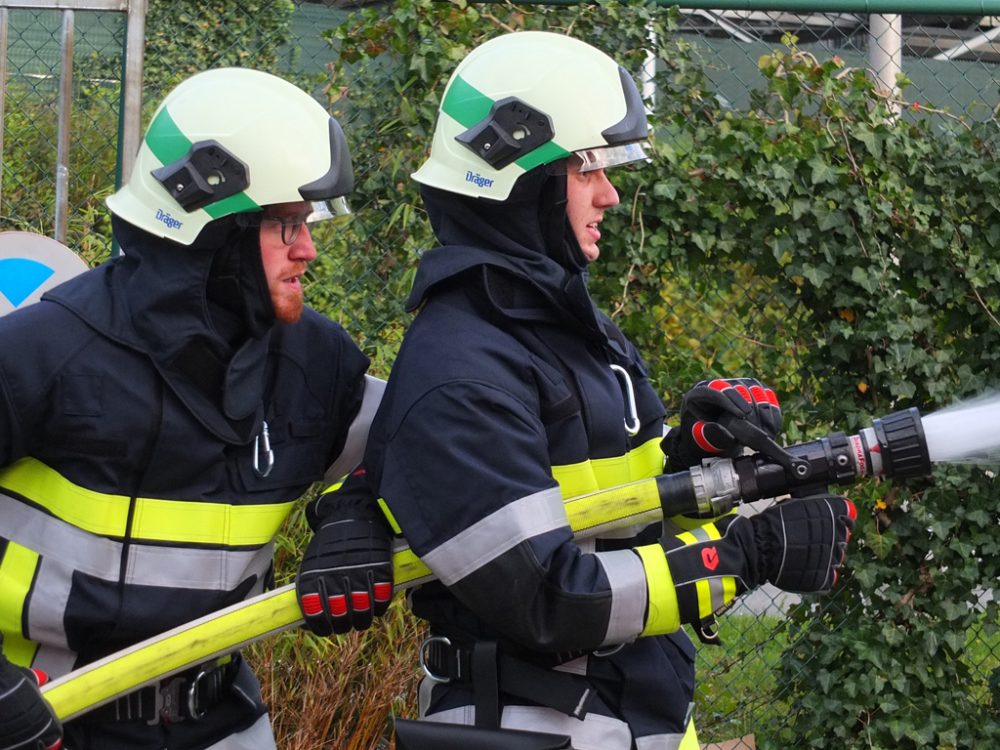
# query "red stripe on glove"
(311, 604)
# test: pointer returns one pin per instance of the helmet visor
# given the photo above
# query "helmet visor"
(335, 208)
(589, 159)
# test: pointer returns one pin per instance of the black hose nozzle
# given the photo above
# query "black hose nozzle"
(903, 445)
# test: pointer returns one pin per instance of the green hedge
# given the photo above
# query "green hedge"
(837, 245)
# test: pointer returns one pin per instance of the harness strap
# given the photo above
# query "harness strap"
(490, 673)
(485, 684)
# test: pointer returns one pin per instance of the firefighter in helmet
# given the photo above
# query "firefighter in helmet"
(160, 414)
(512, 392)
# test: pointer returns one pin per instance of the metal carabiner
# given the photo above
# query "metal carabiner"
(267, 452)
(422, 656)
(632, 423)
(192, 696)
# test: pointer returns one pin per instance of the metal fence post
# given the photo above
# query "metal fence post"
(4, 26)
(65, 117)
(132, 86)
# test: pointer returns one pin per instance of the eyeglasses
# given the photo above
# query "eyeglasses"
(290, 226)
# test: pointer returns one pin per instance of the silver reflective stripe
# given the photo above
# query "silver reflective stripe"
(716, 589)
(257, 737)
(579, 665)
(357, 433)
(594, 732)
(175, 567)
(46, 604)
(699, 533)
(499, 532)
(627, 579)
(659, 742)
(54, 661)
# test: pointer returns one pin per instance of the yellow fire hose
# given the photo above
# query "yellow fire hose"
(234, 627)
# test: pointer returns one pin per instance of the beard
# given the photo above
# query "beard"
(287, 306)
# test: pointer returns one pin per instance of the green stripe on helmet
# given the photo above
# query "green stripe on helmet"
(234, 204)
(168, 144)
(467, 105)
(544, 154)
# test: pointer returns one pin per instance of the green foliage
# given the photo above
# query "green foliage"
(841, 250)
(29, 166)
(877, 232)
(184, 37)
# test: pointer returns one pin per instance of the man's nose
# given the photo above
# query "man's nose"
(303, 248)
(606, 196)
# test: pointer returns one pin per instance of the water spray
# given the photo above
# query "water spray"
(968, 432)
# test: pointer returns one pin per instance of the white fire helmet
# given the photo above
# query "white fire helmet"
(526, 99)
(230, 141)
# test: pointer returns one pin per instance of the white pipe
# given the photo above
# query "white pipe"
(885, 50)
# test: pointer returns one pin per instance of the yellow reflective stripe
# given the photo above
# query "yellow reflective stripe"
(207, 523)
(690, 739)
(389, 517)
(597, 473)
(17, 571)
(154, 519)
(688, 538)
(704, 586)
(728, 589)
(407, 567)
(663, 615)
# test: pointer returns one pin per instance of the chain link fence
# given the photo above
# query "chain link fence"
(719, 320)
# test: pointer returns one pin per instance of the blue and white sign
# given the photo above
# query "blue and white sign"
(30, 264)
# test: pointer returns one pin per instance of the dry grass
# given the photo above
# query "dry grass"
(339, 694)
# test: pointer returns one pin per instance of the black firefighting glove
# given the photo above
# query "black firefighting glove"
(798, 545)
(801, 543)
(26, 720)
(701, 435)
(345, 578)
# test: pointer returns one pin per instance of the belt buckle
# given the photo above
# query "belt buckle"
(427, 642)
(168, 705)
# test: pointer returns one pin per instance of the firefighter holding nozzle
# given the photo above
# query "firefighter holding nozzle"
(512, 391)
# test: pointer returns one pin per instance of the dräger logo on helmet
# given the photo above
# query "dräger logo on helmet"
(477, 179)
(167, 219)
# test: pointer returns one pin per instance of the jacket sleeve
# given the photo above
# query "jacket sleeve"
(354, 397)
(466, 475)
